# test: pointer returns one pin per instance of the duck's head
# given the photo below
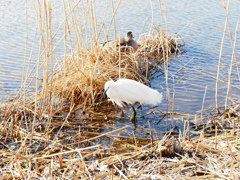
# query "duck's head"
(129, 36)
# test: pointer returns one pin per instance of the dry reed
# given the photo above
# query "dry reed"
(57, 132)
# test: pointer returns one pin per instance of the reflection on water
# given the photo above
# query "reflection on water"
(192, 76)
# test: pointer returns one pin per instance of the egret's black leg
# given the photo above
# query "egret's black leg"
(140, 106)
(133, 116)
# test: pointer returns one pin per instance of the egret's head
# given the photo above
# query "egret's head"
(107, 85)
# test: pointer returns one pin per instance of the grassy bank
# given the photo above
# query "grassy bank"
(58, 130)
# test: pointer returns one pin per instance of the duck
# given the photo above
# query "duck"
(122, 43)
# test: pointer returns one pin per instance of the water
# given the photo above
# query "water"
(200, 23)
(202, 27)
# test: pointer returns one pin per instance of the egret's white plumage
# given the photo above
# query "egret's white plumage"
(130, 92)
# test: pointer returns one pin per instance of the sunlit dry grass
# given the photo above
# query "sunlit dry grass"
(56, 131)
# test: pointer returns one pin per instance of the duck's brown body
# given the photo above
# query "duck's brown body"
(122, 43)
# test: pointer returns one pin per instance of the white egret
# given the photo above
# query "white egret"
(127, 91)
(122, 43)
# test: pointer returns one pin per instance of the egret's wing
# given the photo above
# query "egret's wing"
(132, 91)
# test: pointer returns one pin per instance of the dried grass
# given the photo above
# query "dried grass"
(56, 133)
(173, 156)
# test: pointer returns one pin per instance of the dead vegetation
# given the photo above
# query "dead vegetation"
(59, 132)
(83, 152)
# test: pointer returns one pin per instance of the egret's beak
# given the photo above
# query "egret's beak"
(104, 94)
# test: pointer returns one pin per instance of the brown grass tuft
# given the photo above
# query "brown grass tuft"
(82, 75)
